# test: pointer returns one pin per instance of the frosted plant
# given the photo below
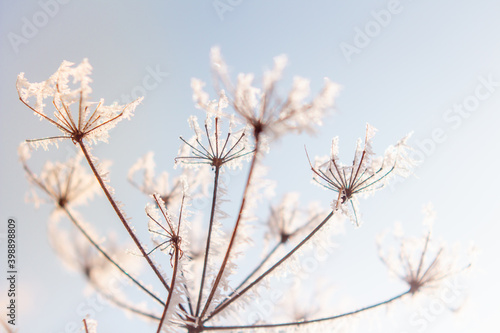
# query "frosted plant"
(200, 288)
(218, 151)
(366, 174)
(421, 262)
(66, 184)
(263, 110)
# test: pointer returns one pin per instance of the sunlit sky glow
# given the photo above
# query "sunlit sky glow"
(409, 75)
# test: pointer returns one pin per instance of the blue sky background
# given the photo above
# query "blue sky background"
(415, 67)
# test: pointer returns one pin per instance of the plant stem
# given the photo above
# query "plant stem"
(120, 215)
(98, 247)
(207, 249)
(235, 229)
(298, 323)
(272, 268)
(172, 289)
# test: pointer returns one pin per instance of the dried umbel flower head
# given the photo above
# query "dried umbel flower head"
(366, 174)
(67, 184)
(219, 151)
(170, 234)
(263, 110)
(287, 219)
(421, 262)
(90, 122)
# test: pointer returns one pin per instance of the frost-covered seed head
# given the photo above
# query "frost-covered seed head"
(90, 122)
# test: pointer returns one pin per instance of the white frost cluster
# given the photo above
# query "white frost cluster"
(421, 262)
(215, 143)
(74, 114)
(365, 175)
(263, 109)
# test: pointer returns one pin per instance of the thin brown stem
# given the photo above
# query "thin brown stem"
(172, 289)
(304, 322)
(272, 268)
(209, 236)
(120, 215)
(235, 230)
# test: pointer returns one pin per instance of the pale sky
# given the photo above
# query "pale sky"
(428, 67)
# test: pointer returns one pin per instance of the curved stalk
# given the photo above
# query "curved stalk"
(299, 323)
(171, 291)
(120, 215)
(98, 247)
